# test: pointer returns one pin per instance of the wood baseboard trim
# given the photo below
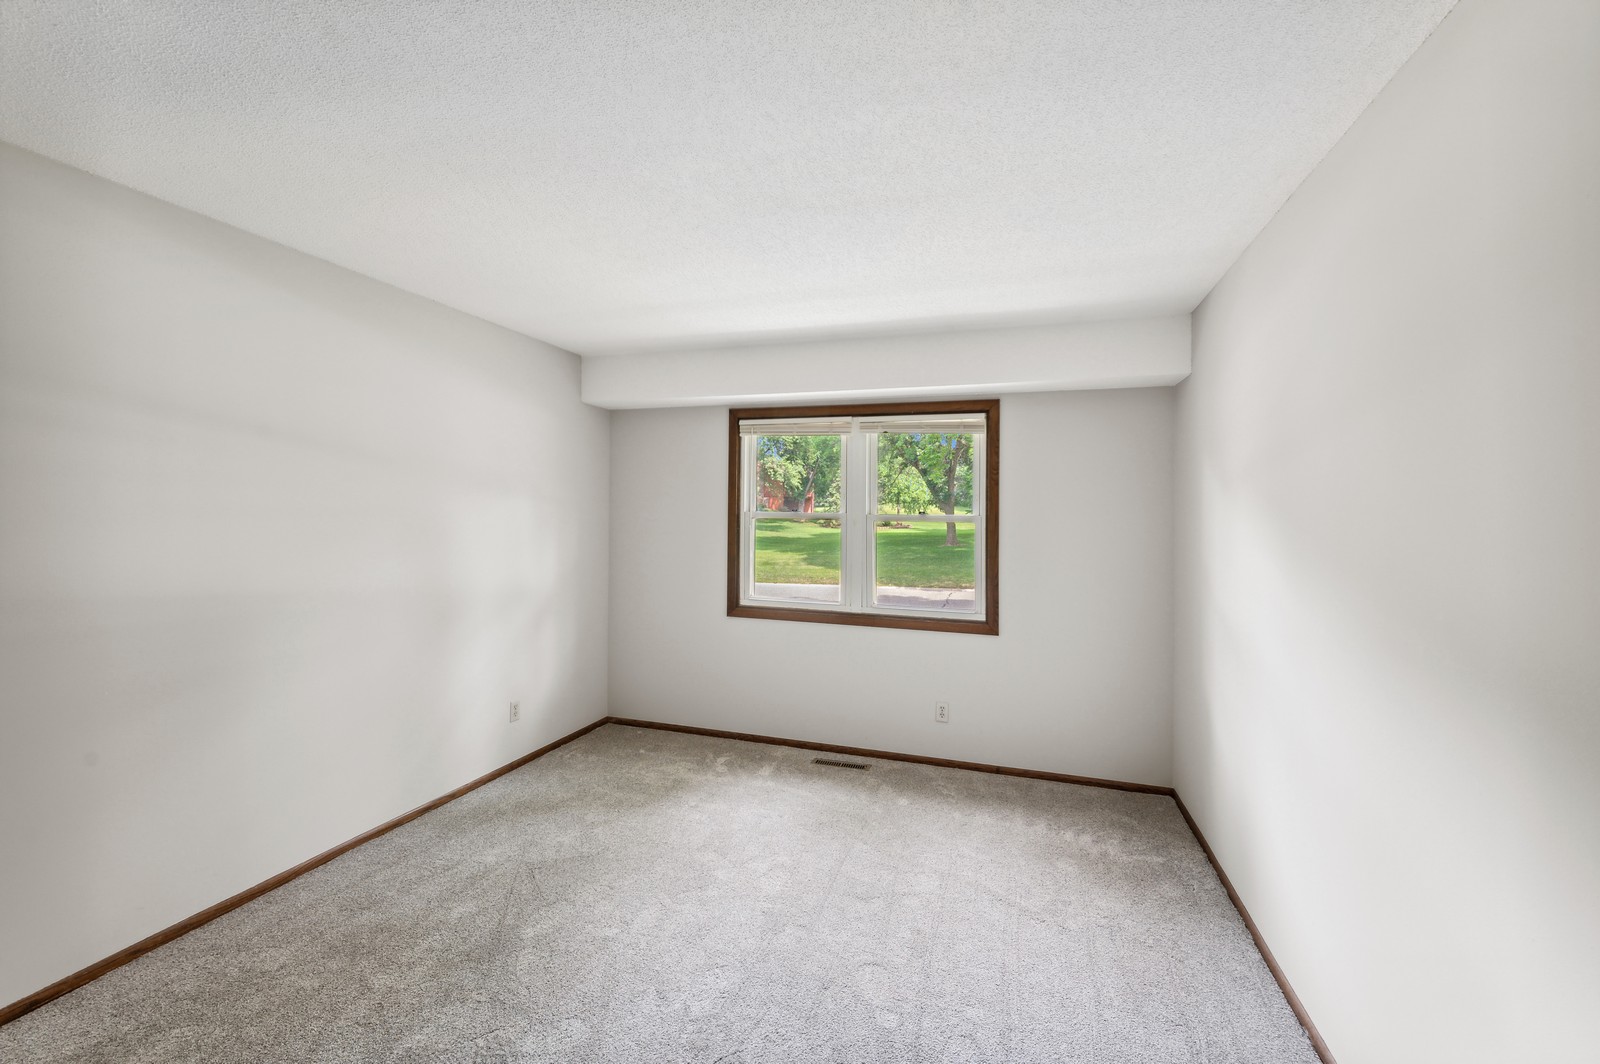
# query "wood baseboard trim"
(1289, 995)
(94, 971)
(1323, 1052)
(160, 938)
(889, 755)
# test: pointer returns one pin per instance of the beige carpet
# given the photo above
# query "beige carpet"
(647, 896)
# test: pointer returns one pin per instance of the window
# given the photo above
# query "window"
(883, 515)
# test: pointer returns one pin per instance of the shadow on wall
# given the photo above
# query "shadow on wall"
(280, 544)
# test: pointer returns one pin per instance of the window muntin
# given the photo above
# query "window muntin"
(877, 514)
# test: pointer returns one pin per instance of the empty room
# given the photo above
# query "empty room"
(736, 532)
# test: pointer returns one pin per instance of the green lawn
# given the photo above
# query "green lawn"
(804, 552)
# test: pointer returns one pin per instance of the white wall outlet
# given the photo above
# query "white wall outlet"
(516, 712)
(941, 712)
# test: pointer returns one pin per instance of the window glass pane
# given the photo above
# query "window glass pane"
(799, 474)
(797, 560)
(926, 565)
(925, 472)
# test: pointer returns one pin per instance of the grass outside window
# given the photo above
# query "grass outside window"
(912, 555)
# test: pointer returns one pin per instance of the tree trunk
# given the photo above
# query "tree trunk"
(949, 506)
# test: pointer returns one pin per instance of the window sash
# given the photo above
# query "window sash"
(869, 601)
(858, 585)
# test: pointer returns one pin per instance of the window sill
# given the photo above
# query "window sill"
(865, 620)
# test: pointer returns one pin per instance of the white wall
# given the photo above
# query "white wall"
(278, 544)
(1389, 557)
(1079, 680)
(1132, 353)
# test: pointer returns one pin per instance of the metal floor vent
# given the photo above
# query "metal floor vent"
(840, 764)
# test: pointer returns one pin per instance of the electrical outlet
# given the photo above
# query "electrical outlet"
(516, 712)
(941, 712)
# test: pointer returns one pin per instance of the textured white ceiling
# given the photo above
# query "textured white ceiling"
(615, 175)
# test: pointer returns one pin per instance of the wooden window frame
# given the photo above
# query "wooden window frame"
(990, 622)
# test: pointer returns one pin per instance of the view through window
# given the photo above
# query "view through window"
(866, 515)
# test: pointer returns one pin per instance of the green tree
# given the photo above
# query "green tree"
(902, 486)
(942, 460)
(793, 467)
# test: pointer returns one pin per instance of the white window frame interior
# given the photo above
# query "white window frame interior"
(858, 465)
